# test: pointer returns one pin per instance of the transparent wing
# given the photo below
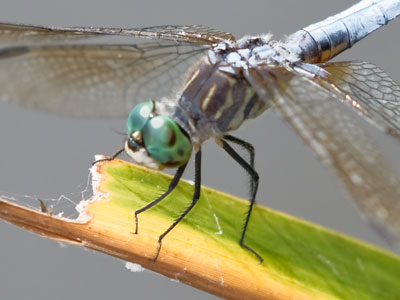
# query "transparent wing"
(94, 80)
(337, 137)
(370, 90)
(19, 34)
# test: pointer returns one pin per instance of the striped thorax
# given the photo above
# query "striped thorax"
(217, 97)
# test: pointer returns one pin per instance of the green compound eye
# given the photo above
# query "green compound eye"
(165, 141)
(139, 116)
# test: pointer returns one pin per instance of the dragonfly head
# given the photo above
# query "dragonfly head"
(155, 141)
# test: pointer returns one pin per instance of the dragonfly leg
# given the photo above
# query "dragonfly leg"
(247, 146)
(174, 182)
(196, 196)
(114, 156)
(254, 179)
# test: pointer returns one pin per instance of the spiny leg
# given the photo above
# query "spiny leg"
(174, 182)
(114, 156)
(247, 146)
(196, 196)
(254, 176)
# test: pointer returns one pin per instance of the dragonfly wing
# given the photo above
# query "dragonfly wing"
(370, 90)
(94, 80)
(190, 33)
(338, 138)
(18, 34)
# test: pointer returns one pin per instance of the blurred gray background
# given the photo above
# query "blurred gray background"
(46, 155)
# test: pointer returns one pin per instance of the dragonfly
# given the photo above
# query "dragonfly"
(182, 85)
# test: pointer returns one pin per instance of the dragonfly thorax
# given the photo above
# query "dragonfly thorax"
(217, 97)
(249, 52)
(155, 140)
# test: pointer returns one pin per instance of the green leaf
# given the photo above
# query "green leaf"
(301, 260)
(296, 253)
